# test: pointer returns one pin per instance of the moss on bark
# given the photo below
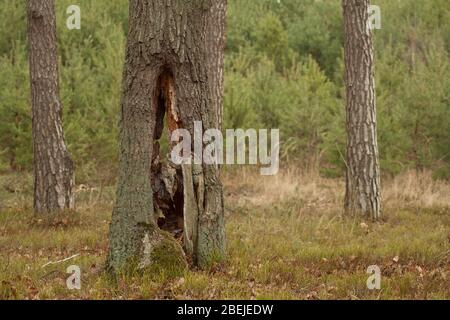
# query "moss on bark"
(163, 254)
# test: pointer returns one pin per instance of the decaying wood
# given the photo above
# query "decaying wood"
(173, 70)
(190, 211)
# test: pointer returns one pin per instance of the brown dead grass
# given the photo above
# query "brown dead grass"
(287, 239)
(407, 190)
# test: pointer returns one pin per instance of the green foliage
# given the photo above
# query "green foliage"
(91, 74)
(413, 81)
(284, 70)
(298, 86)
(91, 61)
(15, 122)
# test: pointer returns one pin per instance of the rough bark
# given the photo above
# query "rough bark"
(216, 50)
(53, 167)
(173, 69)
(363, 172)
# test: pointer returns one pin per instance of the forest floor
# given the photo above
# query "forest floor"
(287, 239)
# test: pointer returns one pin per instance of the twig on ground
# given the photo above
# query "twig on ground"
(59, 261)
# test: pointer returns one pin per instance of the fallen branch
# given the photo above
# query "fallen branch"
(59, 261)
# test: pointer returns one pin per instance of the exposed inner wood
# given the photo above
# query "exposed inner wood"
(167, 178)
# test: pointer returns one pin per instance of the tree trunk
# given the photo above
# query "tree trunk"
(173, 70)
(363, 172)
(53, 167)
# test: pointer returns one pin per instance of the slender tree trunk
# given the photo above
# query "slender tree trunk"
(173, 70)
(363, 172)
(53, 167)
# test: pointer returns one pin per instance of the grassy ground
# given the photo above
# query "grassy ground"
(287, 239)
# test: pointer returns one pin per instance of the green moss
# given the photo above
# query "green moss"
(166, 257)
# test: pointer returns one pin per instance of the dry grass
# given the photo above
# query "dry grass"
(416, 190)
(287, 239)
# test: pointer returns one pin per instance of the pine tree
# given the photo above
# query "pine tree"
(363, 170)
(53, 167)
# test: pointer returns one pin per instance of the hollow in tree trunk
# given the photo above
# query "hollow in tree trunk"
(173, 76)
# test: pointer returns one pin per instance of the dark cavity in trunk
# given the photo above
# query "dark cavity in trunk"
(167, 178)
